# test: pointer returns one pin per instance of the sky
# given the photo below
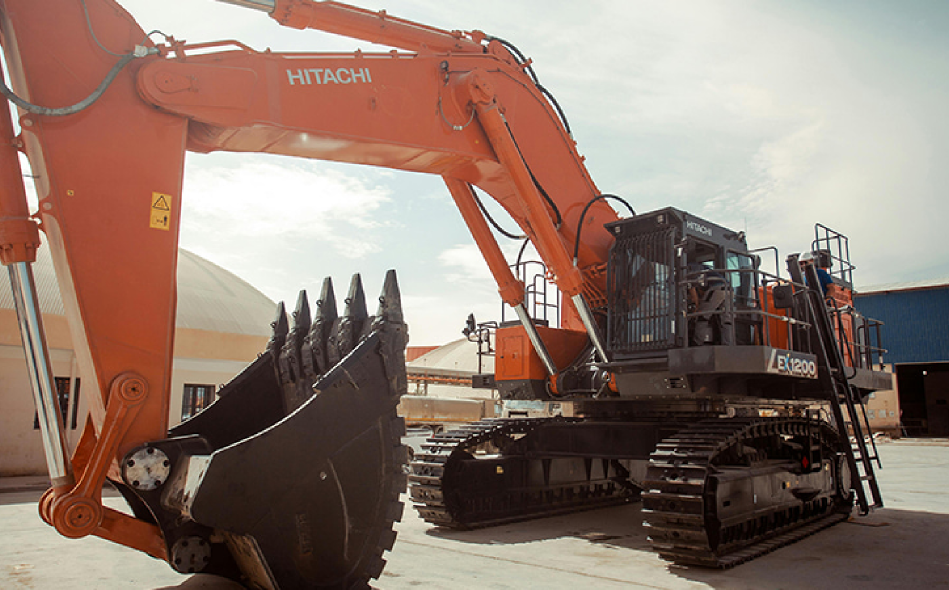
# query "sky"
(762, 116)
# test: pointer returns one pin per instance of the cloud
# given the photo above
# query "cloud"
(464, 262)
(778, 169)
(260, 200)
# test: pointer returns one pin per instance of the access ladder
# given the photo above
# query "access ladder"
(841, 393)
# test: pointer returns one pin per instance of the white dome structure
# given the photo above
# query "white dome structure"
(446, 371)
(209, 297)
(222, 324)
(459, 357)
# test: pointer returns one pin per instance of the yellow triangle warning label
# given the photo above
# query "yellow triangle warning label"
(160, 212)
(160, 202)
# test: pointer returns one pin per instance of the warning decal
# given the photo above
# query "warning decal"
(161, 211)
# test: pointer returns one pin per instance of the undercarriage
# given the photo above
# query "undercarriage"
(497, 471)
(725, 491)
(715, 493)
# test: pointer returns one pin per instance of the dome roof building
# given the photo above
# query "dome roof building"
(447, 370)
(222, 324)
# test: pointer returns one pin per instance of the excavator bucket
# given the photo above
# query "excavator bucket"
(292, 478)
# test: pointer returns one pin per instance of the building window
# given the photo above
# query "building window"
(70, 418)
(195, 399)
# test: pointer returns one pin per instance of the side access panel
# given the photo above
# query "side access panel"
(519, 372)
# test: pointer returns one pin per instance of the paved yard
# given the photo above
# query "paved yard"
(901, 546)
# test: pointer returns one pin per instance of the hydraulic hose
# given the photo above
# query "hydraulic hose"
(494, 223)
(79, 106)
(124, 59)
(522, 59)
(576, 243)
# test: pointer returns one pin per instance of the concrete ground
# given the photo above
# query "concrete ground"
(904, 545)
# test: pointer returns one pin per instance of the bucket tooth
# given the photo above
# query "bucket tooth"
(315, 362)
(280, 329)
(297, 388)
(390, 301)
(353, 320)
(389, 310)
(390, 323)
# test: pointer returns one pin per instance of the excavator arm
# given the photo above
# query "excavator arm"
(465, 106)
(475, 117)
(107, 115)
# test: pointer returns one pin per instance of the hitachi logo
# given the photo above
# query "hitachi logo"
(329, 76)
(699, 228)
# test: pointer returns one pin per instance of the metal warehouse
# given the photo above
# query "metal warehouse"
(916, 336)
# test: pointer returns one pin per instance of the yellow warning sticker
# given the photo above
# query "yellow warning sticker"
(161, 211)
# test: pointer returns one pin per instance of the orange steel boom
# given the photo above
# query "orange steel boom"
(109, 177)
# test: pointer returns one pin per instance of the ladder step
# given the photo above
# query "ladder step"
(866, 477)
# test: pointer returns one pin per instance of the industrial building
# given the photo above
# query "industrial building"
(916, 337)
(222, 324)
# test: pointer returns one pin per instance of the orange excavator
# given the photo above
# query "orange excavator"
(672, 341)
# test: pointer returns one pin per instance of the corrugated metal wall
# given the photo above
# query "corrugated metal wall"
(916, 323)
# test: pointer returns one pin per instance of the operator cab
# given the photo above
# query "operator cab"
(686, 318)
(667, 264)
(691, 314)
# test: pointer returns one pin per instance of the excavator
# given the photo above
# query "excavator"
(721, 395)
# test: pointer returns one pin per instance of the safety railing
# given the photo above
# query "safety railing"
(837, 246)
(753, 317)
(747, 316)
(541, 295)
(857, 342)
(870, 351)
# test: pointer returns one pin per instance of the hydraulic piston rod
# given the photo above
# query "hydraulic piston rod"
(539, 347)
(264, 5)
(368, 25)
(41, 375)
(19, 239)
(590, 324)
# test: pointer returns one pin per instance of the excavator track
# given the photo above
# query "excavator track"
(457, 482)
(691, 517)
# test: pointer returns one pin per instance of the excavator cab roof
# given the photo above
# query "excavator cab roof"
(685, 225)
